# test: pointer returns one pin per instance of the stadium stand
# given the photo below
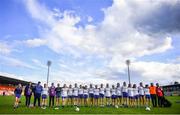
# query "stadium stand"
(7, 85)
(172, 90)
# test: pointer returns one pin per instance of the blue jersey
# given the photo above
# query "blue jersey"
(18, 91)
(38, 89)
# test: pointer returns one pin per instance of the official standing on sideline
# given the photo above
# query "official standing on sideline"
(152, 90)
(28, 93)
(37, 93)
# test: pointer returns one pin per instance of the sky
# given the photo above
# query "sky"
(88, 41)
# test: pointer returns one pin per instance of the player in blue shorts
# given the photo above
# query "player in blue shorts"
(91, 95)
(96, 95)
(44, 96)
(70, 95)
(75, 94)
(147, 96)
(136, 95)
(119, 94)
(125, 94)
(108, 95)
(80, 95)
(17, 93)
(141, 94)
(58, 95)
(113, 95)
(101, 95)
(131, 96)
(85, 95)
(64, 95)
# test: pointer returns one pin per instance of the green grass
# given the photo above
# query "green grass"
(6, 107)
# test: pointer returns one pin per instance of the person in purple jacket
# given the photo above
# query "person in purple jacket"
(28, 93)
(52, 94)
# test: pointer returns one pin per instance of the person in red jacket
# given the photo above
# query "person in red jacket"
(160, 95)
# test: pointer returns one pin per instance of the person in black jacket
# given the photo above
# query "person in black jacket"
(28, 93)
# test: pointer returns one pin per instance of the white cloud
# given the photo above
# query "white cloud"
(38, 63)
(35, 42)
(40, 12)
(116, 37)
(90, 19)
(157, 72)
(11, 75)
(15, 62)
(5, 48)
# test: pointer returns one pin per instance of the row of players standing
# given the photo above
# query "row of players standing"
(116, 95)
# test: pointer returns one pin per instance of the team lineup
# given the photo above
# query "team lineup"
(114, 95)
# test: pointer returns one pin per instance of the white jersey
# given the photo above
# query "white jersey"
(45, 91)
(113, 91)
(119, 91)
(146, 91)
(130, 92)
(141, 90)
(124, 89)
(75, 91)
(80, 91)
(107, 92)
(85, 91)
(64, 92)
(91, 90)
(135, 91)
(101, 91)
(70, 92)
(96, 91)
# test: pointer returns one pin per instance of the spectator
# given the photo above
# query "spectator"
(4, 93)
(152, 90)
(160, 95)
(37, 93)
(28, 93)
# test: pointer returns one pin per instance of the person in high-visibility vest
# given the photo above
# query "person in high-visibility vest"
(152, 90)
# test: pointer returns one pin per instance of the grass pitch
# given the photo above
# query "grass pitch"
(6, 107)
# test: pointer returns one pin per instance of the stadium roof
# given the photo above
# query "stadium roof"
(14, 81)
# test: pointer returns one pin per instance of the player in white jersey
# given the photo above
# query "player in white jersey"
(119, 94)
(130, 95)
(101, 95)
(147, 96)
(80, 95)
(70, 95)
(44, 96)
(136, 95)
(85, 95)
(141, 94)
(96, 95)
(91, 95)
(64, 95)
(113, 95)
(75, 94)
(125, 94)
(108, 94)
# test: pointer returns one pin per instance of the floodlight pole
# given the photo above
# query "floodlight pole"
(128, 63)
(48, 64)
